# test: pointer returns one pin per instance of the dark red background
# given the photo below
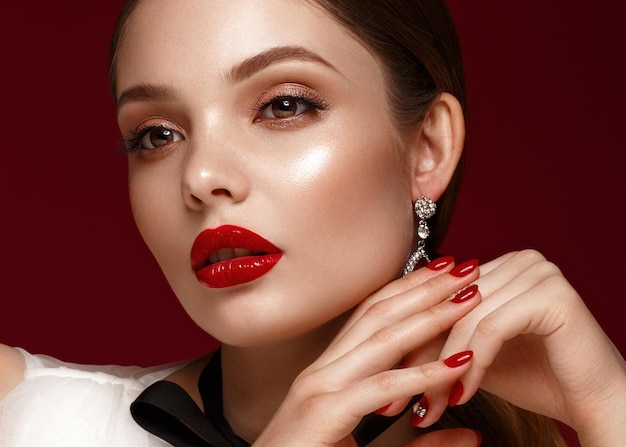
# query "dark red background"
(545, 162)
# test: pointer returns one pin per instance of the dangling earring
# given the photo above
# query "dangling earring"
(424, 209)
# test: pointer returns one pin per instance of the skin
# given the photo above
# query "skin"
(311, 347)
(318, 173)
(282, 179)
(288, 178)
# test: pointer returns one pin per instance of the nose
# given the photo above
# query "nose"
(213, 175)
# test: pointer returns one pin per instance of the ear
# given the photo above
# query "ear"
(436, 148)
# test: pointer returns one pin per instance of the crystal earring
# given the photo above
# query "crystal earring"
(424, 209)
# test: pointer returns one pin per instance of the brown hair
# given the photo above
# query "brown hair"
(417, 45)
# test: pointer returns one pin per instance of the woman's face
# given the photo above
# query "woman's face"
(268, 116)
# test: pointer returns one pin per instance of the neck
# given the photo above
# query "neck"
(257, 379)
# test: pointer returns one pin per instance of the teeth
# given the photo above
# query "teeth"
(226, 254)
(240, 252)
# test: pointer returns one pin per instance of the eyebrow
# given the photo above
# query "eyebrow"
(258, 62)
(145, 92)
(240, 72)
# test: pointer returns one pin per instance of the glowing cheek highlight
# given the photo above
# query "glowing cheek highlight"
(310, 165)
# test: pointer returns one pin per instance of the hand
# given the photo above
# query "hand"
(537, 346)
(356, 375)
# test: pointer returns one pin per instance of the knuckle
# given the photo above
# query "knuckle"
(488, 326)
(433, 288)
(544, 269)
(305, 386)
(428, 371)
(377, 309)
(557, 286)
(439, 318)
(314, 404)
(385, 381)
(385, 336)
(462, 327)
(530, 256)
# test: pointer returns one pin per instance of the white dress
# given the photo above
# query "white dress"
(62, 404)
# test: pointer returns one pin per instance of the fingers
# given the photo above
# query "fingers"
(384, 311)
(327, 417)
(501, 272)
(510, 306)
(529, 313)
(522, 297)
(383, 348)
(391, 385)
(401, 285)
(511, 278)
(529, 332)
(491, 265)
(355, 375)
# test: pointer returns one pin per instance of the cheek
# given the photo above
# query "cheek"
(154, 203)
(350, 204)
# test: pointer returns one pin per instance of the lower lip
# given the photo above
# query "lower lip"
(237, 271)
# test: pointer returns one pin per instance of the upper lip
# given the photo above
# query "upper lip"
(209, 246)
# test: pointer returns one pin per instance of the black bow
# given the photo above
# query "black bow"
(166, 410)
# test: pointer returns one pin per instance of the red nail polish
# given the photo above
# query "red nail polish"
(465, 268)
(459, 359)
(455, 394)
(419, 412)
(465, 294)
(440, 263)
(381, 410)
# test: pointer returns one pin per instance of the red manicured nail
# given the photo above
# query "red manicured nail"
(456, 360)
(419, 412)
(464, 269)
(441, 263)
(465, 294)
(381, 410)
(455, 394)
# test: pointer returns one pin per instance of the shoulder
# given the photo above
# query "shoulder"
(69, 404)
(12, 366)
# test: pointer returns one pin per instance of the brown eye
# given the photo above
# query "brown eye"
(158, 137)
(286, 107)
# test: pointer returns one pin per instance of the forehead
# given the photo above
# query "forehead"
(191, 39)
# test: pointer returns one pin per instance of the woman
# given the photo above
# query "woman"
(241, 176)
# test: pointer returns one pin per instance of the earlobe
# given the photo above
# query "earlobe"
(437, 147)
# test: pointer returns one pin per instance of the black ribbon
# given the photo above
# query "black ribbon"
(166, 410)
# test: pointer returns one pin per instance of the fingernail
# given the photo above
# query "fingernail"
(465, 268)
(459, 359)
(465, 294)
(419, 412)
(440, 263)
(455, 394)
(381, 410)
(479, 435)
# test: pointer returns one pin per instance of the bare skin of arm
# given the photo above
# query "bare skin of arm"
(12, 366)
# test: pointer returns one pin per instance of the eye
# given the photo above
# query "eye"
(156, 137)
(284, 107)
(151, 138)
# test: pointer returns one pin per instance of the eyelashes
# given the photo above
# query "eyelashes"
(291, 108)
(151, 138)
(289, 105)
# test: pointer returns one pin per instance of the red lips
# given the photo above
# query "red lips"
(228, 256)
